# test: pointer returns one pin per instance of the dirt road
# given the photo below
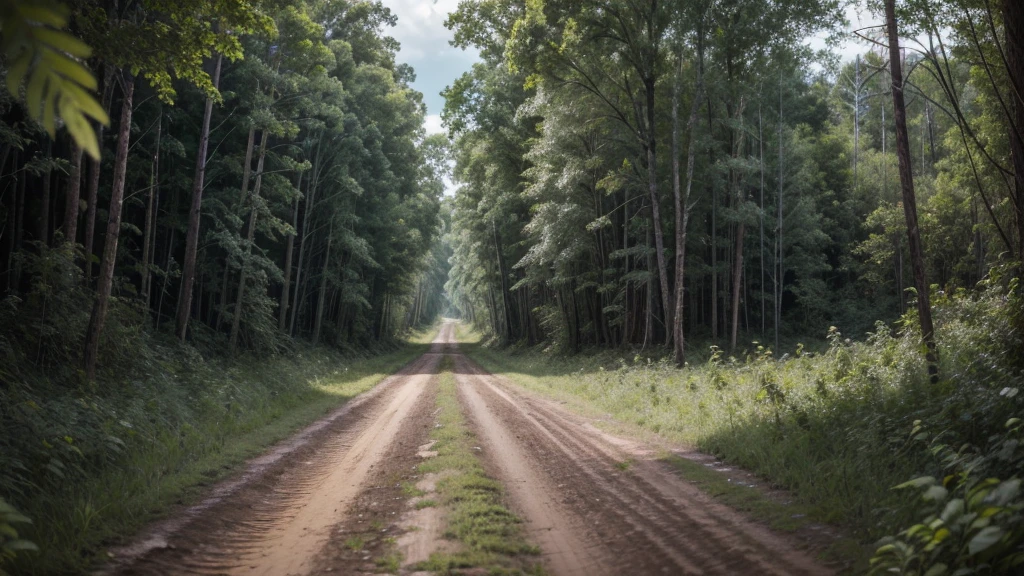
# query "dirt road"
(331, 499)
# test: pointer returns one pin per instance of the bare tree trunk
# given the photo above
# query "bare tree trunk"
(188, 271)
(236, 317)
(741, 227)
(95, 165)
(106, 277)
(909, 200)
(760, 144)
(323, 286)
(288, 250)
(652, 190)
(246, 173)
(682, 211)
(43, 230)
(1013, 24)
(71, 200)
(148, 242)
(780, 274)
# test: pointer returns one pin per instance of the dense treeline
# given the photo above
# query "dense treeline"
(264, 185)
(644, 172)
(265, 176)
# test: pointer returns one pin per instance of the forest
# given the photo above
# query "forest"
(203, 203)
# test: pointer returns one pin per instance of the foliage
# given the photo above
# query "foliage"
(10, 544)
(828, 423)
(38, 51)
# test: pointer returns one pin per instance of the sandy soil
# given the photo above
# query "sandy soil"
(331, 499)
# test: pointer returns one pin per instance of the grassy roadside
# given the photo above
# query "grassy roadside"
(488, 532)
(658, 403)
(174, 440)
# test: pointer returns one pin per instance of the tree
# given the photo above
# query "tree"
(924, 311)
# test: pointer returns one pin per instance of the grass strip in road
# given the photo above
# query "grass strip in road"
(477, 518)
(241, 409)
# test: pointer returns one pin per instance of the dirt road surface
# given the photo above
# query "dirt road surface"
(593, 503)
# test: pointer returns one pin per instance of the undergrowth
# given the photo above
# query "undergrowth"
(833, 427)
(477, 518)
(89, 464)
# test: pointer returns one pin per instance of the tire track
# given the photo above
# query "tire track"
(640, 521)
(278, 514)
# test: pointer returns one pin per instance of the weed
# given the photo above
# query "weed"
(355, 543)
(477, 516)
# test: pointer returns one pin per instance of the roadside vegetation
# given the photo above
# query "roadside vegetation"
(488, 533)
(840, 428)
(91, 466)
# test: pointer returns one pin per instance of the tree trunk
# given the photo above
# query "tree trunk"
(907, 184)
(741, 227)
(652, 189)
(71, 200)
(43, 229)
(246, 173)
(148, 242)
(780, 274)
(106, 277)
(188, 271)
(236, 318)
(682, 211)
(323, 286)
(1013, 24)
(95, 166)
(282, 319)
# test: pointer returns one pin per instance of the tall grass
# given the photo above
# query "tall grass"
(833, 427)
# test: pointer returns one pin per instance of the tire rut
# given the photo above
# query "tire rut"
(277, 515)
(647, 520)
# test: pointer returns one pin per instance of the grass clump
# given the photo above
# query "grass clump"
(836, 427)
(477, 517)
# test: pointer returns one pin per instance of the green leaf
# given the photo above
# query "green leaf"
(21, 545)
(70, 69)
(984, 540)
(916, 483)
(63, 42)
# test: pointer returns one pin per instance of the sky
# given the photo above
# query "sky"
(425, 47)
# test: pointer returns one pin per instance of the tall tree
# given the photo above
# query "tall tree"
(924, 310)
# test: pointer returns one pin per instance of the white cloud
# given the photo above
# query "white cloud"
(425, 46)
(432, 124)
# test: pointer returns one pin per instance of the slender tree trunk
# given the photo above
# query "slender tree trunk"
(652, 190)
(1013, 24)
(714, 239)
(43, 230)
(282, 319)
(236, 318)
(909, 200)
(682, 211)
(741, 227)
(148, 242)
(188, 271)
(71, 200)
(246, 173)
(780, 274)
(323, 286)
(19, 231)
(167, 277)
(106, 277)
(12, 226)
(95, 166)
(760, 144)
